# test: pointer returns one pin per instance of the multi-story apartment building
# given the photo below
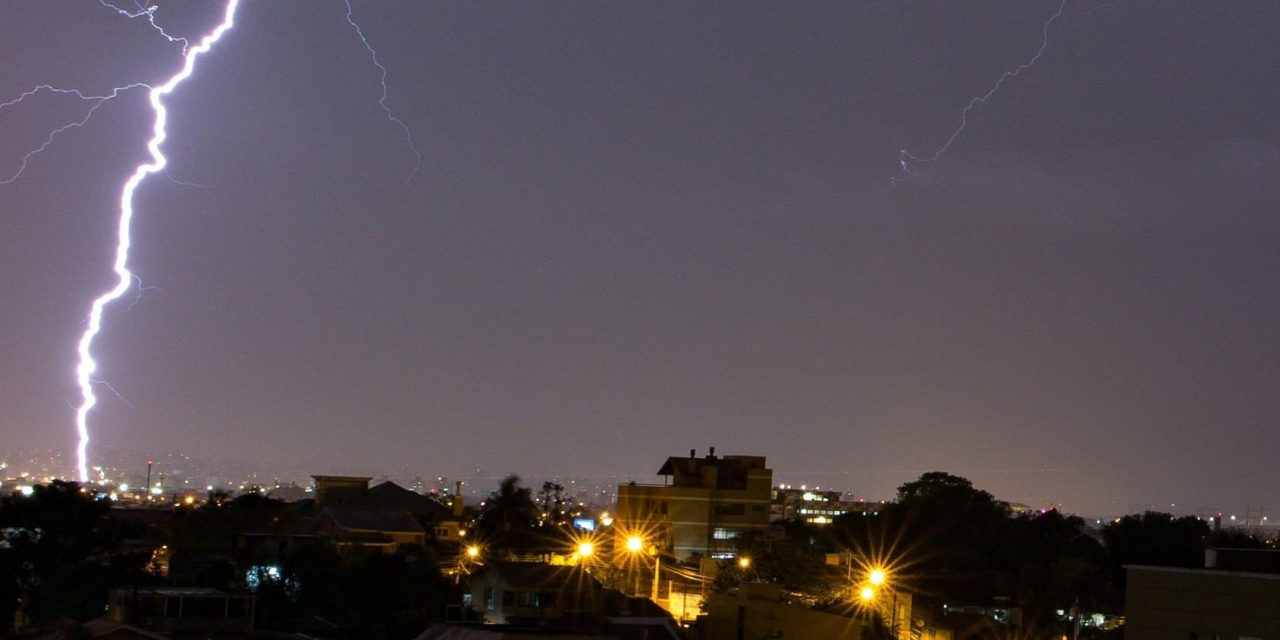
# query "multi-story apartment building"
(704, 506)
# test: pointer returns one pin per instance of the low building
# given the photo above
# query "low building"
(1236, 595)
(532, 593)
(758, 610)
(814, 506)
(384, 517)
(183, 612)
(339, 491)
(384, 531)
(503, 632)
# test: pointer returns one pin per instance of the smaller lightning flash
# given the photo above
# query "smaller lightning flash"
(906, 159)
(95, 101)
(150, 14)
(382, 99)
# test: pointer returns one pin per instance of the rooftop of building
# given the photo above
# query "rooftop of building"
(731, 471)
(1257, 563)
(536, 575)
(390, 496)
(382, 521)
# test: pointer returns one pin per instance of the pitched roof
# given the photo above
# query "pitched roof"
(502, 632)
(538, 575)
(385, 521)
(390, 496)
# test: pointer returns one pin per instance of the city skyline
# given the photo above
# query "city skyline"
(643, 228)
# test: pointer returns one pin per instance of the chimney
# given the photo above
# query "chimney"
(457, 499)
(693, 453)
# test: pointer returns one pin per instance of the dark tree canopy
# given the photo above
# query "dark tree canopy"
(60, 554)
(508, 520)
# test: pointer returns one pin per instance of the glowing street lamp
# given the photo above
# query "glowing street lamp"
(473, 552)
(635, 544)
(744, 562)
(586, 549)
(877, 579)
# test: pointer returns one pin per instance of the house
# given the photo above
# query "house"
(389, 496)
(179, 612)
(503, 632)
(384, 517)
(384, 531)
(96, 629)
(758, 610)
(531, 593)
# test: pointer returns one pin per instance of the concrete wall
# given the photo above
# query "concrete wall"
(755, 613)
(1171, 604)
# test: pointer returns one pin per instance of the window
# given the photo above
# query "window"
(731, 509)
(724, 534)
(488, 599)
(508, 599)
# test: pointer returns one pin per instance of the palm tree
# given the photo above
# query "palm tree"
(508, 516)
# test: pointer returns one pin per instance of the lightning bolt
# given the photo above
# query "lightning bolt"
(124, 278)
(906, 158)
(382, 99)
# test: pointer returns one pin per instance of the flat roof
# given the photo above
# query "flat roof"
(181, 592)
(1204, 572)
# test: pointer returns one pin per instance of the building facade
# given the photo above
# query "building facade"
(814, 506)
(1236, 595)
(704, 506)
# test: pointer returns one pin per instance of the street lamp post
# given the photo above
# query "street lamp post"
(635, 545)
(877, 579)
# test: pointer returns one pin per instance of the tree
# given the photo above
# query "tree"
(551, 501)
(508, 518)
(1152, 538)
(368, 595)
(1061, 564)
(954, 538)
(59, 554)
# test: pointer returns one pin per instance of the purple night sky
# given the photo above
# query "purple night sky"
(643, 227)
